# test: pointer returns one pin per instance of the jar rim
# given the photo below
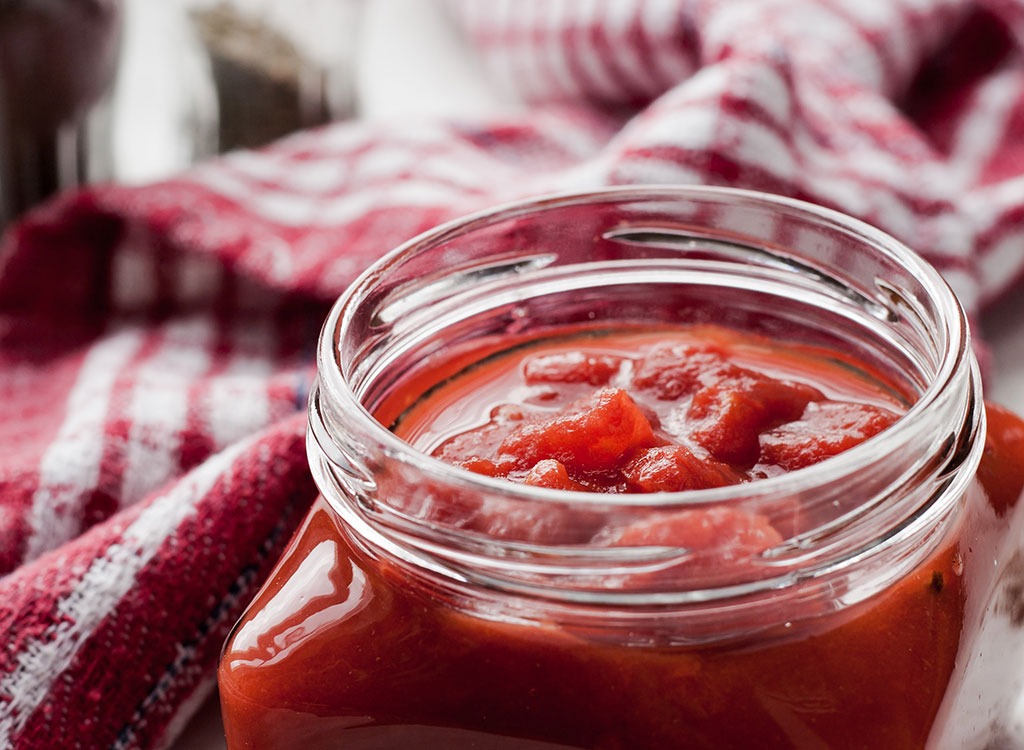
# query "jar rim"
(875, 510)
(955, 355)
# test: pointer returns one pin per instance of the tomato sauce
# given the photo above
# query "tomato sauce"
(651, 411)
(345, 649)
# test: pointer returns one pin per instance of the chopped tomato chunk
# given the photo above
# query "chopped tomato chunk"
(594, 433)
(571, 367)
(730, 415)
(654, 411)
(551, 474)
(825, 429)
(673, 468)
(731, 533)
(675, 370)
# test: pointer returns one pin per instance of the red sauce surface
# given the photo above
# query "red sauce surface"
(342, 650)
(650, 411)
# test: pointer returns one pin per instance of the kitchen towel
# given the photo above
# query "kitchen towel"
(156, 342)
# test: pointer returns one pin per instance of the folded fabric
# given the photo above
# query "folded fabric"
(156, 342)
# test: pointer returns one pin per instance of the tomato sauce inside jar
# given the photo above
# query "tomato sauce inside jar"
(348, 648)
(651, 410)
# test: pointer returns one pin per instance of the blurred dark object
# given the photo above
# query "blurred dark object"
(57, 60)
(264, 88)
(277, 67)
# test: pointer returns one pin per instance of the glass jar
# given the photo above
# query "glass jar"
(277, 66)
(57, 62)
(887, 617)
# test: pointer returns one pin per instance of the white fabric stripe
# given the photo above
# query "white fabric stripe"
(672, 63)
(134, 272)
(843, 190)
(649, 169)
(243, 174)
(762, 147)
(870, 16)
(44, 659)
(284, 173)
(901, 43)
(997, 258)
(986, 206)
(619, 16)
(527, 75)
(771, 92)
(569, 138)
(887, 23)
(689, 127)
(704, 86)
(457, 163)
(387, 163)
(243, 381)
(70, 467)
(158, 410)
(947, 236)
(501, 24)
(837, 177)
(598, 76)
(879, 167)
(980, 131)
(553, 52)
(296, 210)
(836, 44)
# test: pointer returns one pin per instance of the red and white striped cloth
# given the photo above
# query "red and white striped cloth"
(156, 342)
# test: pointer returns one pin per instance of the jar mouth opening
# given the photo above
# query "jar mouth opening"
(891, 498)
(951, 339)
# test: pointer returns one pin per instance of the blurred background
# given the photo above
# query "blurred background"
(135, 90)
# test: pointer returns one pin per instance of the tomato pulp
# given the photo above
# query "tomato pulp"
(345, 648)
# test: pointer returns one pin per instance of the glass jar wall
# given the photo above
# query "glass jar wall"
(877, 612)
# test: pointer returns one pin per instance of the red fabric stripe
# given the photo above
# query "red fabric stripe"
(38, 367)
(106, 497)
(230, 549)
(1007, 159)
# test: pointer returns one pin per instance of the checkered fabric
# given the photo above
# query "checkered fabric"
(156, 342)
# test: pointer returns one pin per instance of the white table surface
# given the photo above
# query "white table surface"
(410, 61)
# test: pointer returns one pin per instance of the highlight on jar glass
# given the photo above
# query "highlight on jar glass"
(645, 468)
